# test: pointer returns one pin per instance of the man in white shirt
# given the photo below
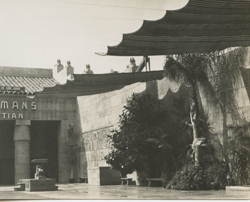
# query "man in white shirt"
(132, 66)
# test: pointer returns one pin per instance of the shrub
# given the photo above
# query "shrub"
(216, 173)
(190, 177)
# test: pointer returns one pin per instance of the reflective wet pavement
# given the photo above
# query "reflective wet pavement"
(83, 191)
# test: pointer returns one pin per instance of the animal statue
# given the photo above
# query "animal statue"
(39, 173)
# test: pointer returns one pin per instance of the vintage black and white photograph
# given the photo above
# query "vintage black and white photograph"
(125, 100)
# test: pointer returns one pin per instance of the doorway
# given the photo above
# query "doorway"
(44, 145)
(7, 171)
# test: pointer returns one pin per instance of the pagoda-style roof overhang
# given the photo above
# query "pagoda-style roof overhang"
(90, 84)
(201, 26)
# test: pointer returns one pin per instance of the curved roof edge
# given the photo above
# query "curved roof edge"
(147, 40)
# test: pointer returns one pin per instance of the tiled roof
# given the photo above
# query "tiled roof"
(24, 85)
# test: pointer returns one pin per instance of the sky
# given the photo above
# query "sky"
(35, 33)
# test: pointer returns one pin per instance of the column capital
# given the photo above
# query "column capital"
(23, 123)
(22, 133)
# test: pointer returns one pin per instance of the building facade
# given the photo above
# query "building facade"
(39, 119)
(40, 125)
(33, 126)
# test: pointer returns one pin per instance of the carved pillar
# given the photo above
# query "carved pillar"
(22, 150)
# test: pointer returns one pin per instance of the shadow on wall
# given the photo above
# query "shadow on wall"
(152, 89)
(175, 100)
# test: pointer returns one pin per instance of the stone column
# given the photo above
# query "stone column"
(22, 150)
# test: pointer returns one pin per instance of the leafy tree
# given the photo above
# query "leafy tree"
(142, 118)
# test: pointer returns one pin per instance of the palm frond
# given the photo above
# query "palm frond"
(209, 91)
(175, 71)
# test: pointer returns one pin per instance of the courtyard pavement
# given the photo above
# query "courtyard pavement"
(81, 191)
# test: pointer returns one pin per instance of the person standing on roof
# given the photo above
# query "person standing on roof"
(88, 70)
(132, 66)
(59, 66)
(69, 70)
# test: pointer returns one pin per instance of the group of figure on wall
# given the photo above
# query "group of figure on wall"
(60, 67)
(130, 68)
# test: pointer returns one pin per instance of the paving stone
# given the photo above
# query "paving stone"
(84, 191)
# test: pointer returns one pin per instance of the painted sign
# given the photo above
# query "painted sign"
(15, 109)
